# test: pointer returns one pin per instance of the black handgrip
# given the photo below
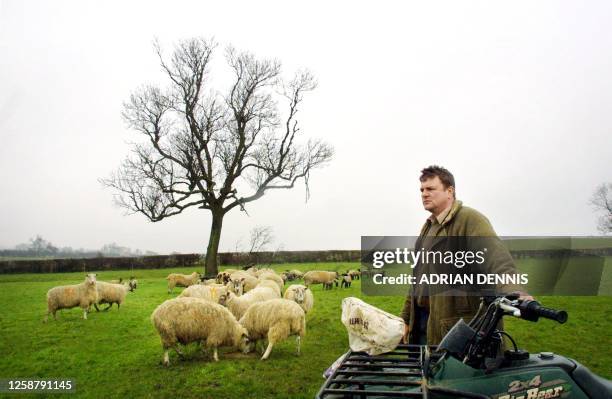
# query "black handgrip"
(532, 310)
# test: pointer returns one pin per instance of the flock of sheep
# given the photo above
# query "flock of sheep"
(239, 308)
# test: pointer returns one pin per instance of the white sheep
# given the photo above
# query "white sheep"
(238, 305)
(346, 280)
(110, 293)
(355, 274)
(210, 281)
(301, 295)
(276, 320)
(185, 320)
(297, 273)
(274, 277)
(241, 282)
(182, 280)
(209, 292)
(132, 284)
(70, 296)
(270, 284)
(320, 277)
(259, 272)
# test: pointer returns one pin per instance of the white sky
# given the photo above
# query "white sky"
(515, 98)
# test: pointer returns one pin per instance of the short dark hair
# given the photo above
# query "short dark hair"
(446, 177)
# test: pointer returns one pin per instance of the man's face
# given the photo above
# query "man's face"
(435, 197)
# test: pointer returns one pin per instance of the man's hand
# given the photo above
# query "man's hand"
(523, 296)
(406, 333)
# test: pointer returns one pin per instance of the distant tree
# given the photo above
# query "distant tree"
(261, 237)
(212, 151)
(601, 200)
(37, 246)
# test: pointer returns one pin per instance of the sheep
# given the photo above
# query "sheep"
(274, 277)
(301, 295)
(259, 272)
(238, 305)
(223, 277)
(241, 282)
(320, 277)
(270, 284)
(185, 320)
(70, 296)
(210, 281)
(355, 274)
(110, 293)
(209, 292)
(182, 280)
(297, 273)
(346, 280)
(252, 271)
(275, 320)
(133, 283)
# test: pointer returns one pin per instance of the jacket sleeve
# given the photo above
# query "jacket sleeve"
(480, 234)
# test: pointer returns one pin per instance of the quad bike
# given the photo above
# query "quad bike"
(469, 363)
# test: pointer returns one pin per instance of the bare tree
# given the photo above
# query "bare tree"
(261, 237)
(212, 151)
(602, 202)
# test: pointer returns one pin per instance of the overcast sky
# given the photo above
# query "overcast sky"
(515, 98)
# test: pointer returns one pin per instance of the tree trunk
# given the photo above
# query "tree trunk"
(210, 268)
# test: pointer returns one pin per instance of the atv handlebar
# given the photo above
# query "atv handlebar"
(532, 311)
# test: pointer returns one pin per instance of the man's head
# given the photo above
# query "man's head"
(437, 189)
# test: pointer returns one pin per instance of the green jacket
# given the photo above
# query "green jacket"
(445, 311)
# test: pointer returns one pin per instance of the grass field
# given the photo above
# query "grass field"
(118, 353)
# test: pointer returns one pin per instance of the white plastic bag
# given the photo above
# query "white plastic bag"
(370, 329)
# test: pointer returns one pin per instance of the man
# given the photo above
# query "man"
(429, 317)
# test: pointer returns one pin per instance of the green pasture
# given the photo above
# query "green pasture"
(118, 353)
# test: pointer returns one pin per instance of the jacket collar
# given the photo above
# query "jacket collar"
(453, 211)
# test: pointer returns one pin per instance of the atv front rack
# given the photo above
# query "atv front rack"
(397, 374)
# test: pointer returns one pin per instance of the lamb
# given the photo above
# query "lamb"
(238, 305)
(320, 277)
(70, 296)
(185, 320)
(346, 280)
(110, 293)
(274, 277)
(276, 320)
(301, 295)
(209, 292)
(182, 280)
